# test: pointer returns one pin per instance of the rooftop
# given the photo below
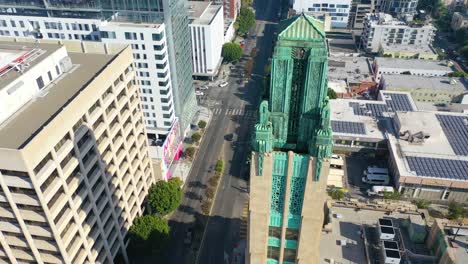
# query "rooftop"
(383, 19)
(408, 48)
(14, 57)
(34, 115)
(349, 68)
(429, 65)
(202, 13)
(415, 82)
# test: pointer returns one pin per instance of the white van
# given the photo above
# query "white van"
(378, 179)
(379, 190)
(376, 170)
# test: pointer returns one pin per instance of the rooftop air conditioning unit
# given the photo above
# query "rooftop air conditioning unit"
(65, 64)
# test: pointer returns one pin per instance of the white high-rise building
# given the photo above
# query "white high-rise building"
(382, 29)
(338, 10)
(207, 33)
(74, 162)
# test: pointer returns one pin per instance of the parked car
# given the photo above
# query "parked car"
(334, 156)
(379, 190)
(223, 84)
(204, 87)
(199, 93)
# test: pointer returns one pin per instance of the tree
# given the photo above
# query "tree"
(464, 52)
(219, 167)
(202, 124)
(422, 204)
(245, 20)
(149, 233)
(231, 51)
(196, 137)
(337, 194)
(331, 94)
(458, 74)
(189, 152)
(392, 195)
(209, 193)
(164, 197)
(461, 36)
(456, 210)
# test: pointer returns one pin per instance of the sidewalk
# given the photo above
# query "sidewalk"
(181, 168)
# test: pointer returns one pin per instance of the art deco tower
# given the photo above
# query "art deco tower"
(292, 143)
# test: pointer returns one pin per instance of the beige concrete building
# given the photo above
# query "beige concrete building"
(74, 166)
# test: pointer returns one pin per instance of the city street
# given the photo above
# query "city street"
(234, 109)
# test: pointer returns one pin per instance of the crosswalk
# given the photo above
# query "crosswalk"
(247, 113)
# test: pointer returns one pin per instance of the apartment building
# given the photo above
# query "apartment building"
(359, 10)
(74, 163)
(207, 34)
(398, 8)
(338, 10)
(231, 8)
(158, 33)
(382, 29)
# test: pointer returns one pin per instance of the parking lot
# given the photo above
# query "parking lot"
(355, 164)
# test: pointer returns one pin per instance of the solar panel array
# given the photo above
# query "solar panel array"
(368, 109)
(398, 102)
(440, 168)
(348, 127)
(456, 132)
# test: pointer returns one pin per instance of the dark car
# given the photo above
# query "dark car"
(229, 137)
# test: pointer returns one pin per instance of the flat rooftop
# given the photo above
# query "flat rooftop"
(349, 68)
(12, 53)
(409, 48)
(202, 13)
(415, 82)
(429, 65)
(16, 131)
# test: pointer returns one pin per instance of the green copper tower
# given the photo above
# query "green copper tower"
(292, 143)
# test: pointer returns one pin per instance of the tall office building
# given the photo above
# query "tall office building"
(74, 163)
(159, 34)
(292, 143)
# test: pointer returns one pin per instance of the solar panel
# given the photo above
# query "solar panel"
(368, 109)
(440, 168)
(398, 102)
(456, 132)
(348, 127)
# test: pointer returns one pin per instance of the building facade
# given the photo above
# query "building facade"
(292, 143)
(382, 29)
(398, 8)
(158, 32)
(459, 20)
(231, 8)
(337, 10)
(207, 35)
(74, 163)
(359, 10)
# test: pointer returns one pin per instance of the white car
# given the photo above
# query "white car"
(204, 87)
(198, 93)
(334, 156)
(223, 84)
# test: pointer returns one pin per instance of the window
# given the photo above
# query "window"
(142, 37)
(130, 35)
(49, 75)
(446, 195)
(273, 252)
(158, 37)
(108, 34)
(57, 69)
(40, 82)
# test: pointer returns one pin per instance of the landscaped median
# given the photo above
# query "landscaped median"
(212, 189)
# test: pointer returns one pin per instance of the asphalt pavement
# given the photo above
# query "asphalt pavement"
(234, 109)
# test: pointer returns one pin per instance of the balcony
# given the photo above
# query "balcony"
(70, 167)
(118, 142)
(120, 155)
(17, 181)
(102, 144)
(64, 149)
(39, 231)
(26, 199)
(46, 170)
(53, 187)
(94, 115)
(99, 129)
(64, 220)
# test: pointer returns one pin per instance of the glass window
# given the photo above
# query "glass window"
(40, 82)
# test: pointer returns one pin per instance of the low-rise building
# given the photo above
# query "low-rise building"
(354, 72)
(459, 20)
(74, 163)
(423, 52)
(383, 29)
(207, 33)
(437, 90)
(428, 68)
(428, 149)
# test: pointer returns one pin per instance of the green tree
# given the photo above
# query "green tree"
(458, 74)
(331, 94)
(392, 195)
(456, 210)
(464, 52)
(189, 152)
(149, 233)
(165, 197)
(231, 51)
(337, 194)
(202, 124)
(219, 167)
(245, 20)
(422, 204)
(196, 137)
